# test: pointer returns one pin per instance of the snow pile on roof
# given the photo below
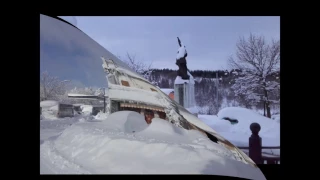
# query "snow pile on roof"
(167, 91)
(159, 148)
(134, 94)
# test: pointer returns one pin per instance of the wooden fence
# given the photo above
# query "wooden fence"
(254, 150)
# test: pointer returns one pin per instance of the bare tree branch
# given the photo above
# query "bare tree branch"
(51, 87)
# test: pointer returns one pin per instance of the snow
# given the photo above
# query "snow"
(86, 109)
(47, 104)
(269, 128)
(72, 94)
(193, 110)
(101, 116)
(179, 80)
(166, 91)
(111, 147)
(181, 51)
(215, 123)
(134, 94)
(238, 134)
(195, 121)
(49, 110)
(276, 117)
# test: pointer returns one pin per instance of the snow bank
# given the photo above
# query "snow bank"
(159, 148)
(48, 104)
(101, 116)
(86, 109)
(126, 121)
(86, 118)
(269, 128)
(238, 134)
(216, 124)
(164, 127)
(58, 123)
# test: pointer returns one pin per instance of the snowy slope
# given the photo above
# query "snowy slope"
(269, 127)
(239, 133)
(110, 147)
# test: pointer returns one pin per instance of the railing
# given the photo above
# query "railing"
(255, 148)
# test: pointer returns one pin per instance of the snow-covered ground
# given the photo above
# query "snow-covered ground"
(239, 133)
(122, 143)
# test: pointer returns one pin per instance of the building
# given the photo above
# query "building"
(169, 92)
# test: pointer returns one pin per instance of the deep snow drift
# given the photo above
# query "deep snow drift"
(124, 143)
(239, 133)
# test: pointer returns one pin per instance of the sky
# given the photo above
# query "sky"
(209, 40)
(74, 55)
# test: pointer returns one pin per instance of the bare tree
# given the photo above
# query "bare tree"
(257, 61)
(51, 87)
(140, 67)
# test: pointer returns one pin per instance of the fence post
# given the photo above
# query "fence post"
(255, 144)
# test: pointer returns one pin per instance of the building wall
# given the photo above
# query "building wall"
(171, 95)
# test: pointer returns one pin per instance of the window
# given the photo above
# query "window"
(125, 83)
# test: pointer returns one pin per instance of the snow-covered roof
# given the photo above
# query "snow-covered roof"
(166, 90)
(117, 92)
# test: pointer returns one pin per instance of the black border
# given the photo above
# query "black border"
(23, 41)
